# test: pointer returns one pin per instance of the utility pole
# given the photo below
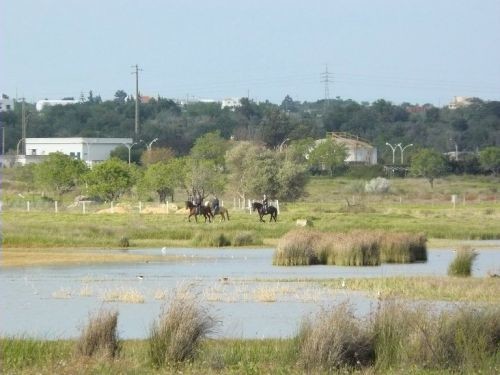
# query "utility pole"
(136, 128)
(325, 78)
(23, 127)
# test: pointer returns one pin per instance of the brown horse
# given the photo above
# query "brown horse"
(205, 211)
(270, 211)
(222, 211)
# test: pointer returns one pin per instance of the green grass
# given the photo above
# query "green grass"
(397, 338)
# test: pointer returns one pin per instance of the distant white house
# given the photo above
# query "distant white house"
(90, 150)
(460, 102)
(6, 104)
(230, 103)
(41, 104)
(358, 149)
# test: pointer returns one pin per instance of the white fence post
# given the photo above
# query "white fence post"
(112, 208)
(278, 206)
(28, 206)
(167, 207)
(55, 207)
(83, 207)
(140, 207)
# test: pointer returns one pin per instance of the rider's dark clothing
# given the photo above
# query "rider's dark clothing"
(215, 205)
(264, 205)
(197, 203)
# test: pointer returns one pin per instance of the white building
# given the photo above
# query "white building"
(231, 103)
(41, 104)
(6, 104)
(90, 150)
(358, 149)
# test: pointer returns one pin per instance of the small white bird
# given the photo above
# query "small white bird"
(164, 250)
(343, 283)
(140, 277)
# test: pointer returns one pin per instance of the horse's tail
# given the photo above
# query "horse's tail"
(227, 214)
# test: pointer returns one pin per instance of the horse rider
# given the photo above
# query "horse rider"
(265, 203)
(197, 202)
(215, 204)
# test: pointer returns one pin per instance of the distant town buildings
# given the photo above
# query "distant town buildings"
(6, 104)
(461, 101)
(231, 103)
(358, 149)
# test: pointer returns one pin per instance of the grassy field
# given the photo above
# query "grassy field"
(331, 205)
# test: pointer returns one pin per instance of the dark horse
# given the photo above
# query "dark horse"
(205, 211)
(270, 211)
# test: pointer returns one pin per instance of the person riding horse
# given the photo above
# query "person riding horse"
(265, 204)
(198, 200)
(215, 205)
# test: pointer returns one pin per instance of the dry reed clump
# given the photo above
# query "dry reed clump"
(359, 248)
(129, 295)
(245, 239)
(462, 264)
(297, 248)
(100, 336)
(460, 339)
(334, 339)
(402, 247)
(176, 335)
(356, 249)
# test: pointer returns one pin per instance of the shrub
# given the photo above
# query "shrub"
(123, 242)
(378, 185)
(211, 239)
(334, 339)
(462, 264)
(176, 335)
(245, 239)
(100, 336)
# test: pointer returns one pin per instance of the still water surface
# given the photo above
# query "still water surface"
(240, 287)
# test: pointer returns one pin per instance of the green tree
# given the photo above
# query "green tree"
(59, 173)
(210, 146)
(328, 155)
(110, 179)
(163, 177)
(204, 175)
(489, 159)
(120, 96)
(429, 164)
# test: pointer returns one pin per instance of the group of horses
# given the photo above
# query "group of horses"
(208, 214)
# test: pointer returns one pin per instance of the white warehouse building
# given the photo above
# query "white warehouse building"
(90, 150)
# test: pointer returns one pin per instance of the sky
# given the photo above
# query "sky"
(398, 50)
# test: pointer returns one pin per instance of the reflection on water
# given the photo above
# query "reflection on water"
(241, 288)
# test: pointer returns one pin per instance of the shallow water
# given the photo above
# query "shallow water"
(240, 287)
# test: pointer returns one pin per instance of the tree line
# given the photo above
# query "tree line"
(466, 129)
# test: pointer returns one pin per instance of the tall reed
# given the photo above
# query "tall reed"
(334, 339)
(176, 335)
(462, 264)
(402, 247)
(297, 248)
(100, 335)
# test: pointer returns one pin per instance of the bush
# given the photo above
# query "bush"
(211, 239)
(297, 248)
(245, 239)
(123, 242)
(175, 337)
(100, 335)
(334, 339)
(462, 264)
(378, 185)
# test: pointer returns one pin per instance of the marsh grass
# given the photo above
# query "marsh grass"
(334, 339)
(246, 238)
(211, 239)
(126, 295)
(62, 293)
(464, 338)
(402, 247)
(356, 248)
(176, 336)
(100, 336)
(461, 265)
